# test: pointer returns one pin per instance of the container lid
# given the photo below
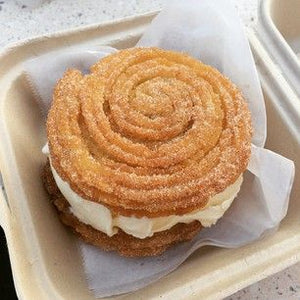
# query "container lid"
(273, 41)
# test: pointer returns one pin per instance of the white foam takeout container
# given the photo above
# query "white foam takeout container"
(45, 261)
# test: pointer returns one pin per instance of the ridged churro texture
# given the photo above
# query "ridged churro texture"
(149, 132)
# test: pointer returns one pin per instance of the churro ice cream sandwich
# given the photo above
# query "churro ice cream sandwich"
(146, 150)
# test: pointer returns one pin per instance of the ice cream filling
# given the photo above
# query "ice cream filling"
(101, 218)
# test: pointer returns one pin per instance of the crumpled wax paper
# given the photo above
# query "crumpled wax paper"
(210, 31)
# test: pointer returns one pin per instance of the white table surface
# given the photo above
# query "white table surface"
(27, 18)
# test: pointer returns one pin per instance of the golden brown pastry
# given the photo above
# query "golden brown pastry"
(148, 140)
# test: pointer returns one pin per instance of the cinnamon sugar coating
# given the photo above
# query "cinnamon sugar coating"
(149, 132)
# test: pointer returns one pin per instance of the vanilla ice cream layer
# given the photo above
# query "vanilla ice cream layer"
(100, 217)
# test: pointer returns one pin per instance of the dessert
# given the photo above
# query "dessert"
(145, 150)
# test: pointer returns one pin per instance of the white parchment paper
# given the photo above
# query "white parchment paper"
(208, 30)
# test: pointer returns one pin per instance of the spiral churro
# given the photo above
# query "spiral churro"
(148, 133)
